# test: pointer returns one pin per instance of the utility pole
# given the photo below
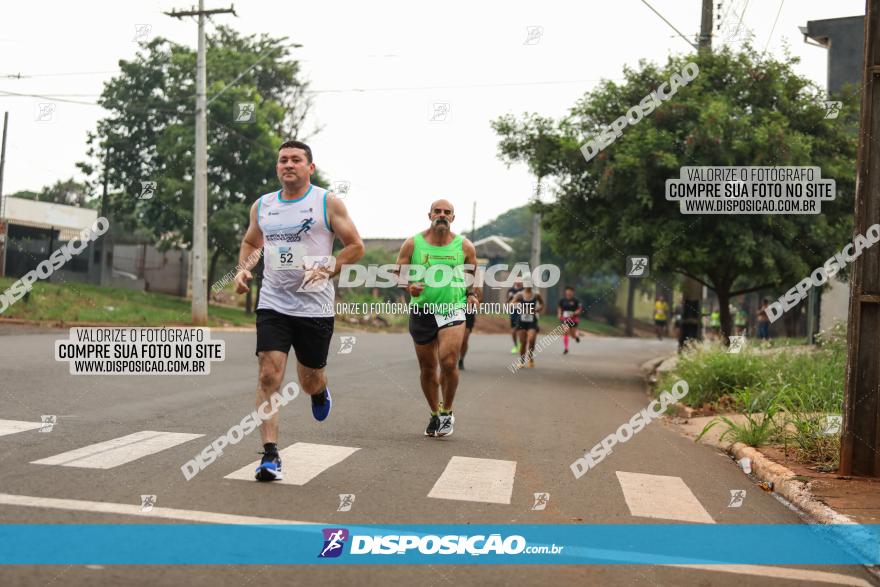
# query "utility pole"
(535, 257)
(706, 26)
(200, 179)
(4, 225)
(692, 291)
(474, 221)
(105, 245)
(860, 441)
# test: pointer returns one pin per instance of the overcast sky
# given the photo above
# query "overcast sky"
(377, 69)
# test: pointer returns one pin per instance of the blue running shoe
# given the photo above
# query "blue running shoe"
(321, 405)
(270, 468)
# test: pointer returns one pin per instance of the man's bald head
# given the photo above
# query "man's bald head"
(441, 214)
(443, 204)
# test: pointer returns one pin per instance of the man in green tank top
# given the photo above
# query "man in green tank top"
(438, 300)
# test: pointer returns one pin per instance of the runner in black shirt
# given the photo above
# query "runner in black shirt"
(514, 317)
(569, 312)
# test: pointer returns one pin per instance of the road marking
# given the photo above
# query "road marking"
(660, 496)
(16, 426)
(125, 509)
(468, 479)
(301, 462)
(119, 451)
(781, 573)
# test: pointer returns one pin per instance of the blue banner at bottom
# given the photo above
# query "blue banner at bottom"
(191, 544)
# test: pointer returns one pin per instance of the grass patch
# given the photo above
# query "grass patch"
(759, 426)
(84, 302)
(785, 393)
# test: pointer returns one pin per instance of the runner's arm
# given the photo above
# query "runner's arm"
(539, 304)
(343, 226)
(249, 252)
(559, 310)
(470, 258)
(403, 260)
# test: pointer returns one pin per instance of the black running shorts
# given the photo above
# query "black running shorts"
(423, 327)
(527, 325)
(309, 337)
(469, 319)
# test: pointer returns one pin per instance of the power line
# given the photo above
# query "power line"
(670, 24)
(20, 76)
(743, 14)
(53, 98)
(778, 12)
(253, 65)
(63, 97)
(462, 86)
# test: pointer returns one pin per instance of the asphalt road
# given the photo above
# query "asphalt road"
(541, 420)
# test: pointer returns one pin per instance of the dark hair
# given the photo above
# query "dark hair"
(297, 145)
(569, 287)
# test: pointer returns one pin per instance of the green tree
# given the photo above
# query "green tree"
(68, 192)
(743, 109)
(149, 135)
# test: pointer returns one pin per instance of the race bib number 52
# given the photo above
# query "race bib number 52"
(286, 257)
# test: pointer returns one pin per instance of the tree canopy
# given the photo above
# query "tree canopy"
(149, 135)
(743, 109)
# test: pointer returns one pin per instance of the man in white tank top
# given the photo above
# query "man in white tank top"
(295, 228)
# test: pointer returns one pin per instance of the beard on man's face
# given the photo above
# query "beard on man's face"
(441, 222)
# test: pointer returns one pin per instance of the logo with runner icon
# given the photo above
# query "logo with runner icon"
(541, 500)
(334, 541)
(305, 227)
(346, 500)
(346, 344)
(637, 266)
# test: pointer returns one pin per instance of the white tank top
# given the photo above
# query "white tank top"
(293, 229)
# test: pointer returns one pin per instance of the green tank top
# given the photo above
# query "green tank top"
(451, 296)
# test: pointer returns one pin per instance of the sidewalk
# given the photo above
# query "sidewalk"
(828, 498)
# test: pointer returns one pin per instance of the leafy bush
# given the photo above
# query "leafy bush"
(813, 379)
(786, 394)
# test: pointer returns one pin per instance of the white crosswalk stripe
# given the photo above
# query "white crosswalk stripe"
(119, 451)
(16, 426)
(469, 479)
(463, 478)
(300, 462)
(661, 496)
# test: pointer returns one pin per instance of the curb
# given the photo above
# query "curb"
(783, 479)
(785, 484)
